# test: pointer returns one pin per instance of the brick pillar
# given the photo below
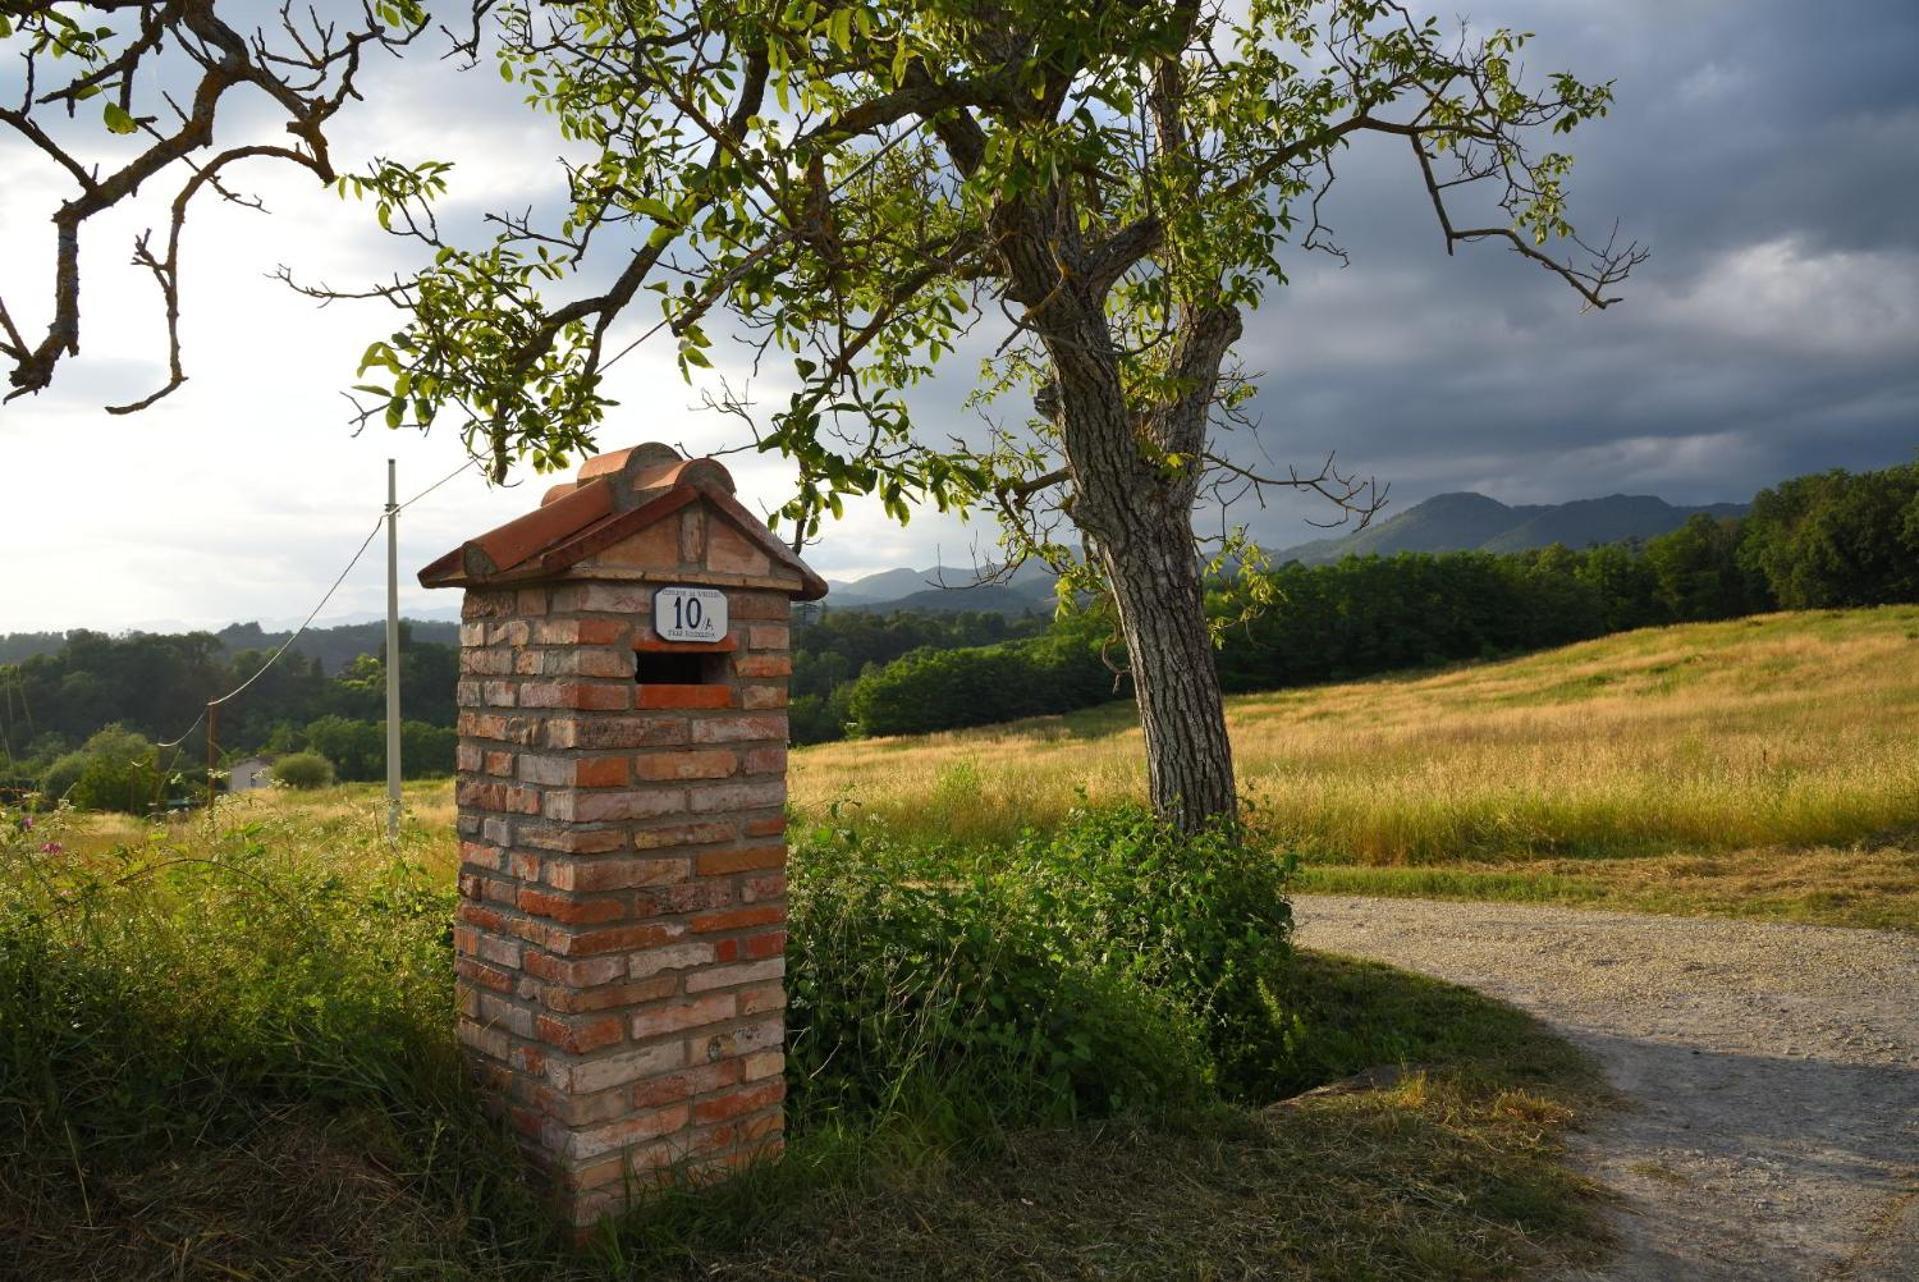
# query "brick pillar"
(622, 922)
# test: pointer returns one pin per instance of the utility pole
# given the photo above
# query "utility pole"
(392, 658)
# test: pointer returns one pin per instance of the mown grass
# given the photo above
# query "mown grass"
(1765, 766)
(226, 1051)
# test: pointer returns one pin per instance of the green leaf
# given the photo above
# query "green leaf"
(118, 121)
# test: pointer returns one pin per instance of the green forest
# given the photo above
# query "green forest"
(1830, 540)
(82, 720)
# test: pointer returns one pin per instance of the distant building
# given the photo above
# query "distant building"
(250, 775)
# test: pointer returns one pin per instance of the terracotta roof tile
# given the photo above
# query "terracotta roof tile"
(615, 496)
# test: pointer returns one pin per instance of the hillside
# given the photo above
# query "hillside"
(1468, 522)
(1757, 765)
(945, 587)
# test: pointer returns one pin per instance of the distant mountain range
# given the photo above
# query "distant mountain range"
(1444, 523)
(1472, 522)
(946, 587)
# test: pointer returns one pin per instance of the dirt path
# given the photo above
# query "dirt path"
(1773, 1069)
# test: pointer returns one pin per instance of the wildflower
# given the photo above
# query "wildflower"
(52, 848)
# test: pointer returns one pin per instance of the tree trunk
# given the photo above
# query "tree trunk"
(1189, 759)
(1138, 508)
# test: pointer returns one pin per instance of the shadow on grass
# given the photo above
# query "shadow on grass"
(1453, 1171)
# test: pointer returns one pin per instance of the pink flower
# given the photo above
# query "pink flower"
(52, 848)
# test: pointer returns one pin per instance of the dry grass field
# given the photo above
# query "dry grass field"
(1762, 767)
(1765, 766)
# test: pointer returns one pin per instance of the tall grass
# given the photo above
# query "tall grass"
(226, 1050)
(1793, 730)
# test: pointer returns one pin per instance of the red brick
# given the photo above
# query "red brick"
(503, 1013)
(615, 732)
(678, 1017)
(766, 1034)
(681, 696)
(664, 961)
(500, 763)
(486, 663)
(614, 939)
(768, 636)
(739, 1103)
(696, 834)
(600, 772)
(762, 698)
(763, 665)
(772, 826)
(580, 1035)
(770, 944)
(735, 729)
(614, 805)
(604, 1139)
(500, 694)
(530, 601)
(762, 1064)
(613, 874)
(718, 863)
(575, 694)
(770, 885)
(574, 841)
(758, 1001)
(758, 972)
(702, 895)
(481, 855)
(562, 998)
(476, 604)
(715, 763)
(485, 976)
(738, 918)
(509, 632)
(603, 663)
(563, 908)
(737, 796)
(776, 606)
(675, 1087)
(579, 973)
(765, 761)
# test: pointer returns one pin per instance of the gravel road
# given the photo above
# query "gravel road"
(1773, 1072)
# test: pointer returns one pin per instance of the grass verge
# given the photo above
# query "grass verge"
(1759, 767)
(229, 1057)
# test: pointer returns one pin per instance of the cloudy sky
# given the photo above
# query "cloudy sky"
(1768, 150)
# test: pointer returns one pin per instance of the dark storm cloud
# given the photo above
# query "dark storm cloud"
(1769, 153)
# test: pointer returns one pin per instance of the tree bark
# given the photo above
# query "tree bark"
(1137, 504)
(1189, 758)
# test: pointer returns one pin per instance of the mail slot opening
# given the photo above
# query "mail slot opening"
(656, 668)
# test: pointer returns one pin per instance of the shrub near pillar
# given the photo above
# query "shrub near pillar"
(621, 929)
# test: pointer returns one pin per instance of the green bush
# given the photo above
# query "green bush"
(1202, 919)
(908, 977)
(303, 770)
(1111, 964)
(62, 775)
(116, 770)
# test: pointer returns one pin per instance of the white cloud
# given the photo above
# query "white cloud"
(1785, 297)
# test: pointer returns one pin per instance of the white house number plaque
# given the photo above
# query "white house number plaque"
(689, 614)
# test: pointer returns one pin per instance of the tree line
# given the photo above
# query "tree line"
(100, 703)
(1834, 539)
